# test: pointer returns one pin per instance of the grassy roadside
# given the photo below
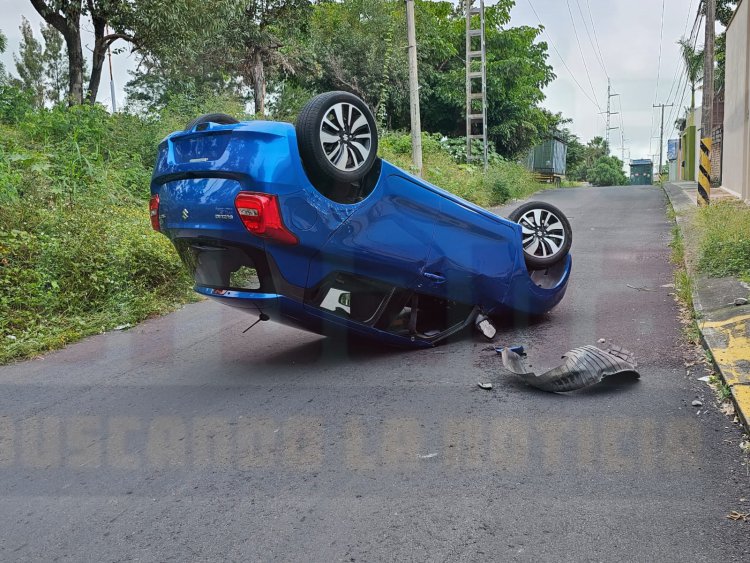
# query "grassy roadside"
(706, 244)
(715, 241)
(683, 282)
(723, 231)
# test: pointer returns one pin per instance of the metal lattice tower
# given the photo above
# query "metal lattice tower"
(476, 81)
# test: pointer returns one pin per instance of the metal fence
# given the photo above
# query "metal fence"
(716, 145)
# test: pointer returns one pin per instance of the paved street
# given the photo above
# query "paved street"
(183, 439)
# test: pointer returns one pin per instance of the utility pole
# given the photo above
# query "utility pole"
(661, 133)
(708, 70)
(111, 78)
(416, 126)
(653, 157)
(609, 111)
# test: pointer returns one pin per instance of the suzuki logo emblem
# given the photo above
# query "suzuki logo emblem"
(185, 214)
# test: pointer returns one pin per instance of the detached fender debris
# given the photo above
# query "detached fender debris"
(582, 367)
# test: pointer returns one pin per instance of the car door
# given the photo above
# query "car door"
(472, 255)
(386, 239)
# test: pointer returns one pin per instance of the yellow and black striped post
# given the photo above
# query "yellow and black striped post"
(704, 177)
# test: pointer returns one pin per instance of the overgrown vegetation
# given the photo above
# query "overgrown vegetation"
(444, 166)
(77, 254)
(592, 162)
(724, 247)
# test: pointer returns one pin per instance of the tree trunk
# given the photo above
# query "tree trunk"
(97, 60)
(258, 75)
(75, 66)
(66, 18)
(692, 95)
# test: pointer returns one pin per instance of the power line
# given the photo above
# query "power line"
(596, 38)
(677, 67)
(658, 73)
(580, 50)
(588, 34)
(592, 100)
(661, 40)
(694, 33)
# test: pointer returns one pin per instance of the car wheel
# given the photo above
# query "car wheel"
(337, 137)
(545, 233)
(220, 118)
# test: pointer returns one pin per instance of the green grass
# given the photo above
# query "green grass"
(77, 252)
(724, 239)
(682, 281)
(723, 391)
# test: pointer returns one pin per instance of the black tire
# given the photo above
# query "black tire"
(543, 246)
(337, 137)
(220, 118)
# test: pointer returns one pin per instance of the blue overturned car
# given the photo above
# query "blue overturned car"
(304, 225)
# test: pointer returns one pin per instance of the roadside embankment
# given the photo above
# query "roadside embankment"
(714, 244)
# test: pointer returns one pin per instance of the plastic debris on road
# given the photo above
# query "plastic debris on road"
(581, 368)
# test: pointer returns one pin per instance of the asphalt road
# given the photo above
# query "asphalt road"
(183, 439)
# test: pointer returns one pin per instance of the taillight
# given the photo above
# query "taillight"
(261, 215)
(153, 209)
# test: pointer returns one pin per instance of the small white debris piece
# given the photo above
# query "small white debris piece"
(705, 378)
(122, 327)
(696, 403)
(428, 456)
(601, 340)
(11, 337)
(740, 301)
(486, 386)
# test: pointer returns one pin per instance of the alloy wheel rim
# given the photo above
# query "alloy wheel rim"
(345, 136)
(543, 233)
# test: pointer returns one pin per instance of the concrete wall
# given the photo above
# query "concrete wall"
(736, 160)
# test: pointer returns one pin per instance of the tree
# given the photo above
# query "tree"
(724, 12)
(30, 64)
(260, 33)
(65, 16)
(583, 158)
(3, 46)
(359, 46)
(55, 64)
(607, 171)
(185, 52)
(693, 61)
(575, 154)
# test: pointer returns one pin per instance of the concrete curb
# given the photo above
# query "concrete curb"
(724, 327)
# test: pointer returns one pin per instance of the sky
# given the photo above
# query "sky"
(627, 40)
